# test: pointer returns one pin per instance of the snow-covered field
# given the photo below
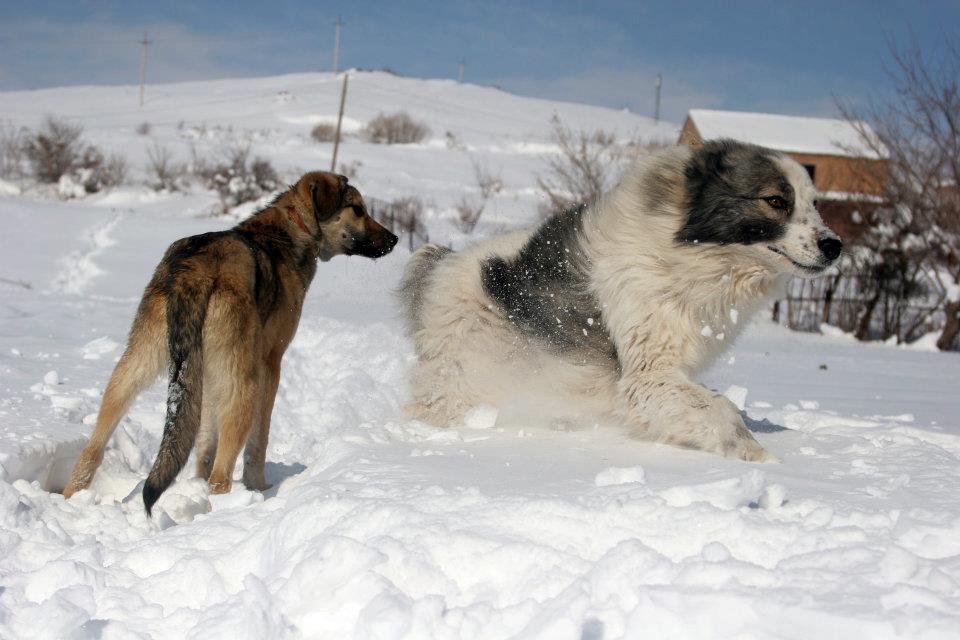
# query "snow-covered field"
(380, 527)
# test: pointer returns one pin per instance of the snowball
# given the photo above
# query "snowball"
(715, 552)
(620, 475)
(737, 395)
(773, 496)
(94, 349)
(51, 378)
(482, 416)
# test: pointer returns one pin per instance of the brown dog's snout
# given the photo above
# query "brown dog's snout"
(379, 240)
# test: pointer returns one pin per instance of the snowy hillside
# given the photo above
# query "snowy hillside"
(382, 527)
(506, 134)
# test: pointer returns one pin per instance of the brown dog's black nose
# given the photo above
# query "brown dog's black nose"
(830, 247)
(392, 241)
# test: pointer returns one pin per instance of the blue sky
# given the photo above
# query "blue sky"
(789, 57)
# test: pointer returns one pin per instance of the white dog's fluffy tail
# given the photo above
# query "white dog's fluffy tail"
(415, 279)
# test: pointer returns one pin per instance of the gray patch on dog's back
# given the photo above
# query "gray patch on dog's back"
(415, 278)
(544, 290)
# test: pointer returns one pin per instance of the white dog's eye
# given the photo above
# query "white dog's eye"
(816, 204)
(777, 202)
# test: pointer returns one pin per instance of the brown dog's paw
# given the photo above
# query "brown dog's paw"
(218, 488)
(258, 486)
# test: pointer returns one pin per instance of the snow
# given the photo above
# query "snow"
(797, 134)
(378, 526)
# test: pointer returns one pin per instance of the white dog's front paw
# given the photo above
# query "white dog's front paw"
(746, 447)
(716, 428)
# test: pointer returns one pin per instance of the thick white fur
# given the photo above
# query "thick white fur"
(657, 300)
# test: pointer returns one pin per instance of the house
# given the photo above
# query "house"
(848, 175)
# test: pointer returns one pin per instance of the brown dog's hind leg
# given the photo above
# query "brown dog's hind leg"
(207, 437)
(141, 363)
(234, 422)
(255, 453)
(238, 363)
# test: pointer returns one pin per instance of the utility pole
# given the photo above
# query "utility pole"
(143, 65)
(336, 46)
(463, 63)
(336, 139)
(656, 108)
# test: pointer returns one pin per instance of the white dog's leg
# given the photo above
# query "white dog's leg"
(675, 411)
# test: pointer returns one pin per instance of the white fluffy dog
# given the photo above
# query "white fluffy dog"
(608, 311)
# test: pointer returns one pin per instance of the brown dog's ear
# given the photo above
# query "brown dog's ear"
(327, 196)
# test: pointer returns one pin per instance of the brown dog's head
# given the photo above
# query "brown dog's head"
(345, 227)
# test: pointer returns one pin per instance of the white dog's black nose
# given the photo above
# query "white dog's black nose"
(830, 247)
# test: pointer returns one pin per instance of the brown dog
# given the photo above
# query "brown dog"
(220, 311)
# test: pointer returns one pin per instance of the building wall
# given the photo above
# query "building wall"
(848, 175)
(831, 173)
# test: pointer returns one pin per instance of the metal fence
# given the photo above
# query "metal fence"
(403, 217)
(863, 304)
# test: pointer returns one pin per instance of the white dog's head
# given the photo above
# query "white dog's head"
(742, 194)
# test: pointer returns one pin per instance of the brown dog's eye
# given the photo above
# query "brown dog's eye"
(358, 211)
(777, 203)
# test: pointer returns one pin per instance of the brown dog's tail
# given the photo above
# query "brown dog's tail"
(186, 311)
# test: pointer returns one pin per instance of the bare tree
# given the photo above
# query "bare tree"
(163, 173)
(589, 163)
(469, 210)
(915, 237)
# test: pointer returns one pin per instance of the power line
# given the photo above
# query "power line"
(336, 46)
(336, 139)
(143, 66)
(656, 109)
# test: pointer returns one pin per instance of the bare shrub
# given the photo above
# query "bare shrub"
(97, 172)
(57, 154)
(407, 213)
(264, 175)
(453, 142)
(236, 178)
(469, 210)
(588, 165)
(163, 173)
(12, 152)
(403, 216)
(143, 129)
(488, 183)
(54, 150)
(395, 128)
(351, 170)
(324, 132)
(468, 213)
